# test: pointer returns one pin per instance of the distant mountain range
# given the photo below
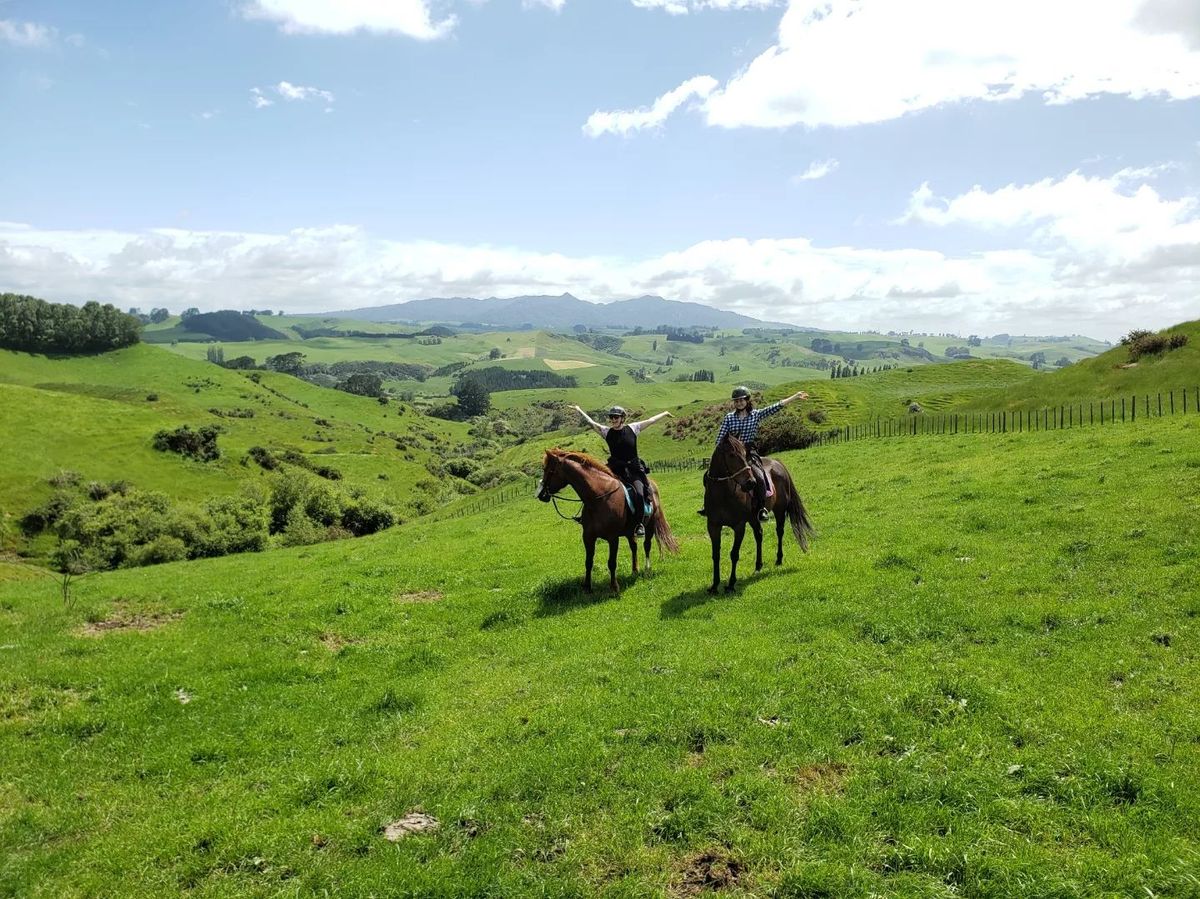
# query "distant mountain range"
(557, 313)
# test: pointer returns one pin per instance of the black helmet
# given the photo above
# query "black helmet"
(740, 393)
(617, 410)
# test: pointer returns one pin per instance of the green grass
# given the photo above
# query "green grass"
(1110, 375)
(982, 681)
(92, 415)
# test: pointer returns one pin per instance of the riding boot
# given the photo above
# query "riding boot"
(760, 500)
(639, 502)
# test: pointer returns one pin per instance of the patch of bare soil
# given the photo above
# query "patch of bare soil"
(823, 777)
(413, 822)
(123, 618)
(419, 597)
(335, 643)
(709, 871)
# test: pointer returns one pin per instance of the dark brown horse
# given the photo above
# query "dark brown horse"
(605, 514)
(729, 503)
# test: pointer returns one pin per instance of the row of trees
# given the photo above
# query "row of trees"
(35, 326)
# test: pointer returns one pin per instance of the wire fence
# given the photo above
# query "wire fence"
(1080, 414)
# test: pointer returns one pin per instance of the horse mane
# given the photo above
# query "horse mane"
(734, 444)
(582, 459)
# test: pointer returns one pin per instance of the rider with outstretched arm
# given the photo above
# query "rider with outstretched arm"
(623, 452)
(742, 423)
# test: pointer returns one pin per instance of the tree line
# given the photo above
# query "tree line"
(36, 326)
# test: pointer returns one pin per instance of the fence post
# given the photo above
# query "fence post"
(1160, 404)
(1172, 400)
(1122, 410)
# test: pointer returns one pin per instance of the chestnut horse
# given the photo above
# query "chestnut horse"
(729, 502)
(605, 514)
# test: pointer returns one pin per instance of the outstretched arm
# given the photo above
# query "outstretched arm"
(779, 404)
(587, 418)
(798, 395)
(639, 426)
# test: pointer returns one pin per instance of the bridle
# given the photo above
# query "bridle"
(555, 499)
(709, 476)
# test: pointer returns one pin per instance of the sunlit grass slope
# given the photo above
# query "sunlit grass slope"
(95, 415)
(1107, 376)
(982, 681)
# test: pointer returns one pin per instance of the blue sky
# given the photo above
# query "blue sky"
(932, 164)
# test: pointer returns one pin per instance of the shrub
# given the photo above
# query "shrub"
(1141, 343)
(785, 432)
(200, 444)
(238, 524)
(264, 457)
(361, 516)
(163, 548)
(817, 416)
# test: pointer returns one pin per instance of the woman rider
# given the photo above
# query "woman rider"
(623, 453)
(742, 423)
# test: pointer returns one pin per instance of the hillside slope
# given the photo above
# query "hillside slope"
(983, 680)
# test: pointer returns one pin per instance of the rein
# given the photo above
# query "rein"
(578, 519)
(708, 475)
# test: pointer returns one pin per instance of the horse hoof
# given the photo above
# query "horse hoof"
(731, 589)
(712, 591)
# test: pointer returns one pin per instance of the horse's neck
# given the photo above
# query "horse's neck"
(589, 483)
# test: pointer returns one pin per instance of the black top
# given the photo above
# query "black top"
(622, 444)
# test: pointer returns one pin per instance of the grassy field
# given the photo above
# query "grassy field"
(983, 681)
(95, 415)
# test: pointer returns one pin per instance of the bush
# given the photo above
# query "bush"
(200, 444)
(817, 416)
(784, 432)
(1141, 343)
(361, 516)
(264, 457)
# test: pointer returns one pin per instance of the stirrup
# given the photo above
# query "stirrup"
(764, 514)
(639, 531)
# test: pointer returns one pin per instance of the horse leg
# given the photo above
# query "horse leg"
(739, 533)
(633, 548)
(649, 538)
(756, 527)
(589, 554)
(780, 523)
(613, 543)
(714, 537)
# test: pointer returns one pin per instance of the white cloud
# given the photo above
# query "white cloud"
(1111, 221)
(1089, 255)
(851, 62)
(290, 92)
(555, 5)
(413, 18)
(816, 171)
(682, 7)
(624, 121)
(26, 34)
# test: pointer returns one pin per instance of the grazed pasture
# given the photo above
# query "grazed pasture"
(982, 681)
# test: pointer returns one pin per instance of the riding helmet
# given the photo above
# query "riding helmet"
(740, 392)
(618, 410)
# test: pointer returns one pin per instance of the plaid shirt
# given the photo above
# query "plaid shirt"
(745, 428)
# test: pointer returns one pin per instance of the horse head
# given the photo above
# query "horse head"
(729, 456)
(553, 475)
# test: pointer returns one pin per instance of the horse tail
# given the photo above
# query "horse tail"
(662, 530)
(802, 525)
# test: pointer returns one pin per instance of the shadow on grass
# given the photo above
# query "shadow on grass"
(566, 595)
(689, 599)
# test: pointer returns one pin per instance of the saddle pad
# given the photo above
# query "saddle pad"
(629, 502)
